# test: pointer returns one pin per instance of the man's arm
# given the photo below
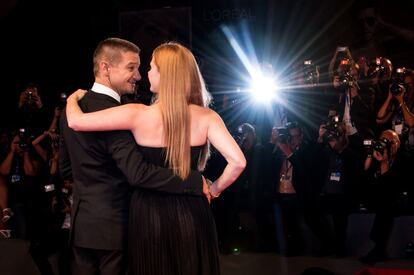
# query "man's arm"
(124, 151)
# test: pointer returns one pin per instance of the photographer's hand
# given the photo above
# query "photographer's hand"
(53, 136)
(38, 101)
(399, 97)
(14, 146)
(378, 156)
(335, 81)
(22, 99)
(368, 162)
(6, 164)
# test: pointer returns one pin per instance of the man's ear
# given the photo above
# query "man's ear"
(104, 68)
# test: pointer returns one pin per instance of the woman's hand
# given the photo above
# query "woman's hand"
(77, 95)
(378, 156)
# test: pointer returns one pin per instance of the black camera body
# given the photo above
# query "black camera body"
(379, 66)
(398, 86)
(23, 139)
(29, 96)
(310, 73)
(346, 80)
(332, 128)
(282, 134)
(379, 146)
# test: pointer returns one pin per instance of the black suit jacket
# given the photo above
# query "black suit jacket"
(101, 165)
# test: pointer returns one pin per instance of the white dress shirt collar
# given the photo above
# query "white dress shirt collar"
(102, 89)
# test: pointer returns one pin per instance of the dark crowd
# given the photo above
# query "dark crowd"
(341, 142)
(345, 145)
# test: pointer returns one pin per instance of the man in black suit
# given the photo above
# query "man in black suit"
(102, 164)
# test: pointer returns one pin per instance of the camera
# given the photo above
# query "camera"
(346, 80)
(282, 134)
(379, 66)
(29, 96)
(243, 132)
(23, 136)
(379, 146)
(398, 86)
(332, 128)
(368, 146)
(310, 73)
(62, 100)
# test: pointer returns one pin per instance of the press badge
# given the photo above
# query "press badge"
(15, 178)
(335, 176)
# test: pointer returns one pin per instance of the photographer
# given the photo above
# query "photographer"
(51, 134)
(405, 98)
(30, 99)
(339, 169)
(354, 104)
(20, 167)
(5, 212)
(396, 112)
(375, 74)
(289, 172)
(252, 185)
(31, 112)
(386, 166)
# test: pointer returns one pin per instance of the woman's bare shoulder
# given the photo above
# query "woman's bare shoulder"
(201, 111)
(138, 106)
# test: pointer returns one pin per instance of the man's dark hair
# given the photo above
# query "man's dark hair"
(32, 85)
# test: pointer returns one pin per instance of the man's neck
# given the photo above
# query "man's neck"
(106, 90)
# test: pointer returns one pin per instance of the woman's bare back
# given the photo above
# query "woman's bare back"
(149, 131)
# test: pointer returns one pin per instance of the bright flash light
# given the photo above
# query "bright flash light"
(263, 88)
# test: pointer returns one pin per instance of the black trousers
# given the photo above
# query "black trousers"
(99, 262)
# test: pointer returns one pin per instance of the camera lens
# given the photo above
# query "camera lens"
(396, 89)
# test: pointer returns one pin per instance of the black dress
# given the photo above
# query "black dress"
(171, 234)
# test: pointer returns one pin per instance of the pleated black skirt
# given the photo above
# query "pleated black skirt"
(171, 235)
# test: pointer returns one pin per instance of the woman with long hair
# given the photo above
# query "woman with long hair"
(171, 234)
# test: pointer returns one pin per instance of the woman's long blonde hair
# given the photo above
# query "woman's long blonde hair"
(180, 84)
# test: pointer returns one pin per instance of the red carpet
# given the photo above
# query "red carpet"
(384, 271)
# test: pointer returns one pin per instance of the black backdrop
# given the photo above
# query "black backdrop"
(51, 42)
